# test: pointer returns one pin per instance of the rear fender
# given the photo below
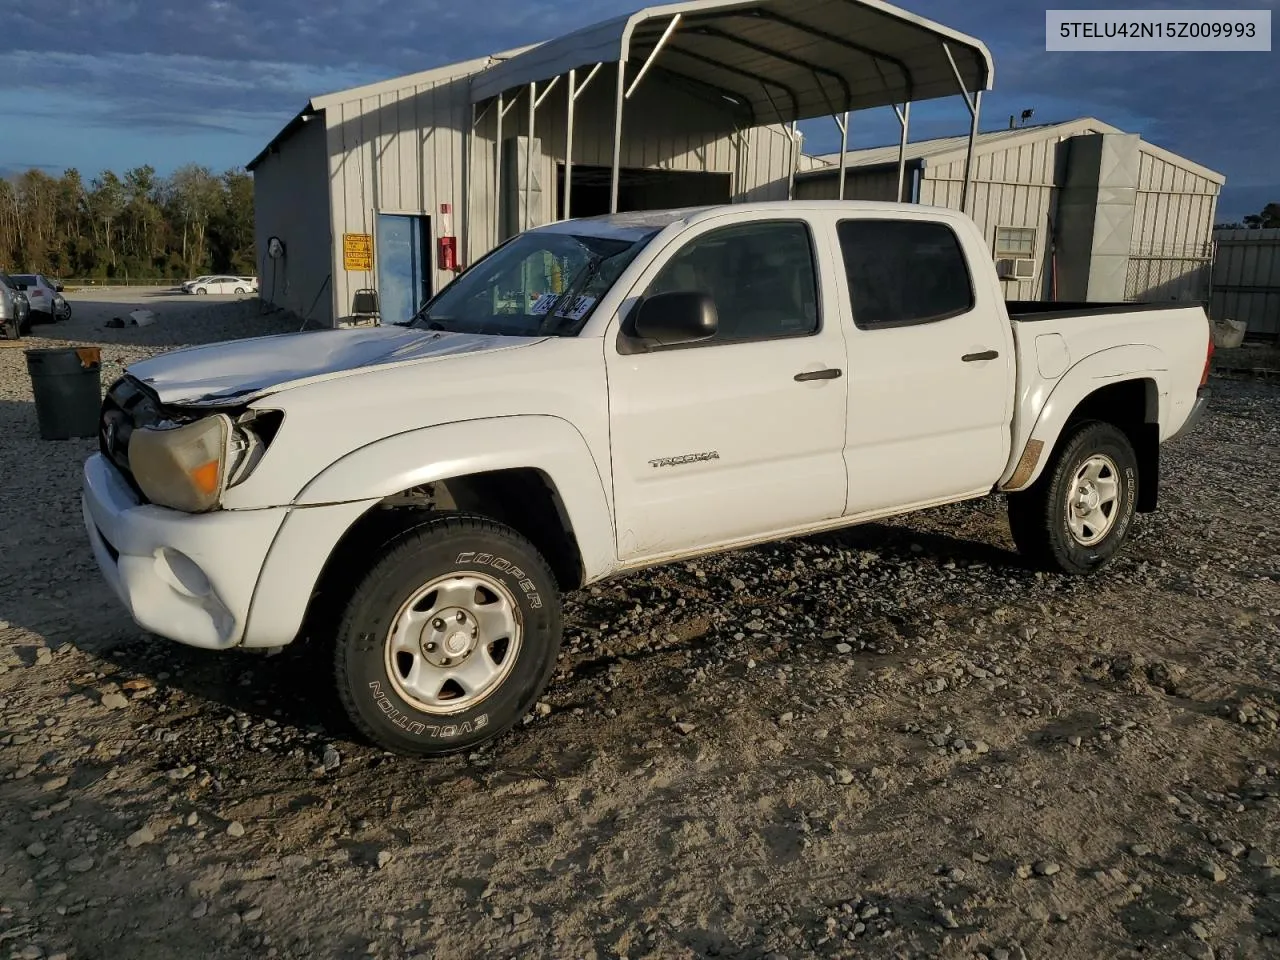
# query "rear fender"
(1098, 370)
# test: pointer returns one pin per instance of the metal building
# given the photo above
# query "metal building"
(1246, 280)
(1078, 208)
(689, 103)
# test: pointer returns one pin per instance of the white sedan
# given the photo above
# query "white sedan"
(224, 285)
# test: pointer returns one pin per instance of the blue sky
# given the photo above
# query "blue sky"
(117, 83)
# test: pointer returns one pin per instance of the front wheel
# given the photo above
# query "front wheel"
(449, 639)
(1077, 515)
(202, 292)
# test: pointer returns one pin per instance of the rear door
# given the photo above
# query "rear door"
(931, 364)
(742, 435)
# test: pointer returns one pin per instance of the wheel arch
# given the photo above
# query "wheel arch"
(1123, 386)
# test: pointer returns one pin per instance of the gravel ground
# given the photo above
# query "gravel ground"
(889, 742)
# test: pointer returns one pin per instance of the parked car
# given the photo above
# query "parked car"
(15, 310)
(684, 383)
(40, 292)
(188, 284)
(224, 285)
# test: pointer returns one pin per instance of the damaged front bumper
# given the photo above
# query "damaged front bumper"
(187, 577)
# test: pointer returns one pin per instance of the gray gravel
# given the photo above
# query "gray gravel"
(891, 741)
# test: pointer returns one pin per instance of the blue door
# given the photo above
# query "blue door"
(404, 268)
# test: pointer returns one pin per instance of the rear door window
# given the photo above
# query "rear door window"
(904, 272)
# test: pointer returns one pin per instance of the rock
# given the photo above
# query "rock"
(235, 828)
(1232, 848)
(955, 874)
(947, 919)
(200, 910)
(844, 777)
(1046, 868)
(787, 717)
(981, 747)
(36, 850)
(1140, 850)
(1074, 741)
(1259, 858)
(384, 858)
(1214, 872)
(252, 914)
(543, 709)
(1199, 931)
(192, 819)
(1022, 871)
(140, 837)
(843, 648)
(737, 584)
(684, 729)
(57, 783)
(332, 759)
(1198, 950)
(114, 701)
(80, 864)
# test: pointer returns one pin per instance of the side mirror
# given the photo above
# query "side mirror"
(679, 317)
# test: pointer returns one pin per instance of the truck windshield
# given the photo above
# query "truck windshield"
(539, 284)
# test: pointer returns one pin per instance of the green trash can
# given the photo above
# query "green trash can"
(67, 382)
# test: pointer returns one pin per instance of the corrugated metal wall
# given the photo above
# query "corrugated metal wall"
(1015, 187)
(1018, 187)
(403, 151)
(291, 201)
(1246, 280)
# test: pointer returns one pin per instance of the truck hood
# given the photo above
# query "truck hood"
(241, 371)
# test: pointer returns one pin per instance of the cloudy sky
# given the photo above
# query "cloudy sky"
(117, 83)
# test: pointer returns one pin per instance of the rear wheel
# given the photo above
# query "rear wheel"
(240, 290)
(449, 639)
(1076, 517)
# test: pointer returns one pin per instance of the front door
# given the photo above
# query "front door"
(931, 367)
(742, 435)
(404, 269)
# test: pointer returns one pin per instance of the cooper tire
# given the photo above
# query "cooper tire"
(413, 606)
(1062, 522)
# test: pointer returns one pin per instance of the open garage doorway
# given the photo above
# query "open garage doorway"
(640, 190)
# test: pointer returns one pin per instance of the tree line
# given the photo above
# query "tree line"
(1268, 218)
(139, 226)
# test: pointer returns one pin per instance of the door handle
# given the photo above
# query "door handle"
(829, 374)
(985, 355)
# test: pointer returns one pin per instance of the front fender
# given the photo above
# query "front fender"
(1113, 365)
(548, 444)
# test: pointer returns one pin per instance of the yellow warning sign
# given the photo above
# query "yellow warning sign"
(357, 251)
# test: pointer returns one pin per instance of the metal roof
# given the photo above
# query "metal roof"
(784, 59)
(944, 150)
(435, 75)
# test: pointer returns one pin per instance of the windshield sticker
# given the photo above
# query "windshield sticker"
(577, 309)
(544, 304)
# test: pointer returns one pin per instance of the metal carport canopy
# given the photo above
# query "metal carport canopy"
(786, 60)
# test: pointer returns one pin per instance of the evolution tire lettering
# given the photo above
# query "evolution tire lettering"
(527, 586)
(438, 732)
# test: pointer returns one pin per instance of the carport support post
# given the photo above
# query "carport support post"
(843, 123)
(568, 146)
(527, 220)
(795, 160)
(976, 107)
(904, 118)
(617, 132)
(974, 103)
(497, 176)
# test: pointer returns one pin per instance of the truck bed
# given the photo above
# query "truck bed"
(1028, 311)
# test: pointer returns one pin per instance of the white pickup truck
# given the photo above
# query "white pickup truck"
(602, 395)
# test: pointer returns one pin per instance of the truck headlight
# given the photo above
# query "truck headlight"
(184, 468)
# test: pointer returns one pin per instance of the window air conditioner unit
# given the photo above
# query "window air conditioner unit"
(1022, 268)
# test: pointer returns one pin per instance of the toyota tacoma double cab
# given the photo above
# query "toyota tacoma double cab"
(597, 396)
